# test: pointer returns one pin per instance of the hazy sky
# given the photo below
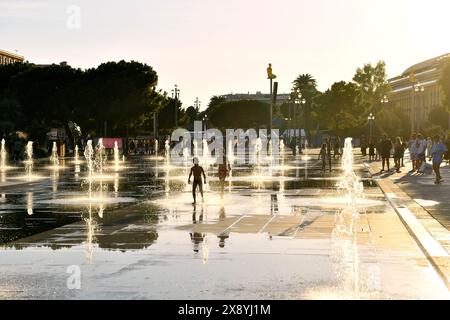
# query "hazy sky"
(213, 47)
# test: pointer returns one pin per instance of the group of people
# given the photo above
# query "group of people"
(420, 149)
(327, 148)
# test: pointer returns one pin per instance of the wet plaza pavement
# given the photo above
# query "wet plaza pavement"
(269, 237)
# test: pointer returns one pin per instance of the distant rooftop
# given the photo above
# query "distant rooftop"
(12, 55)
(427, 64)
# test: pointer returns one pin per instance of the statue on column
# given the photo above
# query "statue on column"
(270, 75)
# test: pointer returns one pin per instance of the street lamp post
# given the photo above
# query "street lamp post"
(370, 118)
(416, 88)
(270, 76)
(205, 118)
(155, 124)
(197, 103)
(298, 101)
(176, 96)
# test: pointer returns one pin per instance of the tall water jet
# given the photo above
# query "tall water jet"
(353, 186)
(186, 158)
(166, 178)
(230, 158)
(345, 250)
(116, 157)
(306, 160)
(29, 160)
(206, 161)
(89, 155)
(100, 156)
(167, 148)
(3, 156)
(205, 154)
(54, 159)
(30, 203)
(77, 156)
(195, 148)
(156, 148)
(282, 146)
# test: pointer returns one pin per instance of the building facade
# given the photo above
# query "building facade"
(8, 57)
(258, 96)
(417, 91)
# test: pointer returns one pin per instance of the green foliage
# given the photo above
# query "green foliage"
(445, 85)
(393, 122)
(373, 86)
(239, 114)
(215, 101)
(122, 94)
(338, 109)
(166, 114)
(11, 116)
(307, 86)
(439, 117)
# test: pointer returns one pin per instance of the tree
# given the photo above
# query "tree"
(215, 101)
(445, 85)
(393, 122)
(439, 116)
(307, 86)
(373, 86)
(338, 109)
(121, 94)
(239, 114)
(11, 116)
(166, 114)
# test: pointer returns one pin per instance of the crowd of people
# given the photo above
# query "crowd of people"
(421, 152)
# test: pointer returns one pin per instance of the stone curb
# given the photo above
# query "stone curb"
(434, 252)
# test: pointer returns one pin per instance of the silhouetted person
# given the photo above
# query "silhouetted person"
(437, 155)
(328, 143)
(323, 156)
(196, 237)
(385, 151)
(197, 172)
(223, 236)
(223, 171)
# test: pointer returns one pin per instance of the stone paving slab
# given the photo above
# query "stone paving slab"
(432, 236)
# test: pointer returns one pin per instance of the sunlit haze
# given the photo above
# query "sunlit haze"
(219, 47)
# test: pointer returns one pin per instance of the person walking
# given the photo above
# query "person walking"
(398, 153)
(413, 151)
(328, 142)
(363, 146)
(371, 150)
(405, 146)
(323, 156)
(385, 151)
(197, 171)
(223, 170)
(378, 148)
(437, 154)
(421, 149)
(429, 146)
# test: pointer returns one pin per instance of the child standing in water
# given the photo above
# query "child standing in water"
(223, 170)
(323, 156)
(197, 172)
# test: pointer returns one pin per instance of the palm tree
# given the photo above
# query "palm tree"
(307, 86)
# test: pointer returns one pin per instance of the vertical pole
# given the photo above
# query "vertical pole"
(413, 113)
(176, 110)
(295, 124)
(271, 106)
(154, 125)
(290, 121)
